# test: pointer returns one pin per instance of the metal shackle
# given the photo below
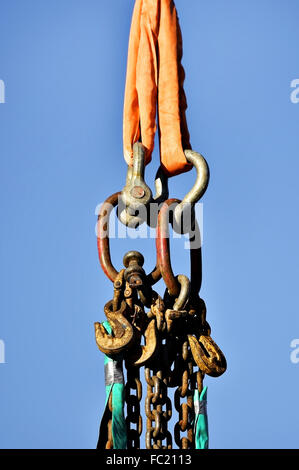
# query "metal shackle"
(136, 195)
(195, 194)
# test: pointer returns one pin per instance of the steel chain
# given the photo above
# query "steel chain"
(109, 443)
(158, 410)
(169, 360)
(133, 418)
(186, 409)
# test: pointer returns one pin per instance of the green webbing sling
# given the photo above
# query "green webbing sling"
(114, 381)
(201, 430)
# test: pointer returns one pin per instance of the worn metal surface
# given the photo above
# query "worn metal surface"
(207, 355)
(136, 195)
(163, 250)
(183, 431)
(164, 255)
(123, 333)
(103, 242)
(172, 339)
(133, 395)
(103, 236)
(197, 191)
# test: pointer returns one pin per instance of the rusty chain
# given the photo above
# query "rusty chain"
(134, 418)
(170, 340)
(158, 407)
(158, 410)
(109, 444)
(186, 409)
(177, 336)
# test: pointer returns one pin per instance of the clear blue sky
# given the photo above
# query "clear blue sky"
(63, 64)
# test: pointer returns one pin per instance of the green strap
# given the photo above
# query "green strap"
(115, 385)
(201, 430)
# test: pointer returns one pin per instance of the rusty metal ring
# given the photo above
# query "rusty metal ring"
(104, 243)
(163, 253)
(103, 236)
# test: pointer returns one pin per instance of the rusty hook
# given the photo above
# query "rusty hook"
(123, 333)
(142, 354)
(207, 355)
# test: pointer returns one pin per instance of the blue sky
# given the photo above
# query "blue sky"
(63, 64)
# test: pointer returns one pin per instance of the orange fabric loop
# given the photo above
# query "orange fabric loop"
(154, 82)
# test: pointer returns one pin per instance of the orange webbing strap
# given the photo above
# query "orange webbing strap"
(155, 77)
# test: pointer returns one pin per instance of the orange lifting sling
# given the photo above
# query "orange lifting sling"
(154, 86)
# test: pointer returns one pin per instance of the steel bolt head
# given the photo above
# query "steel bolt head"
(137, 192)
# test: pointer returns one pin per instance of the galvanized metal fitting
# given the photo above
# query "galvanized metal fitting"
(136, 195)
(182, 213)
